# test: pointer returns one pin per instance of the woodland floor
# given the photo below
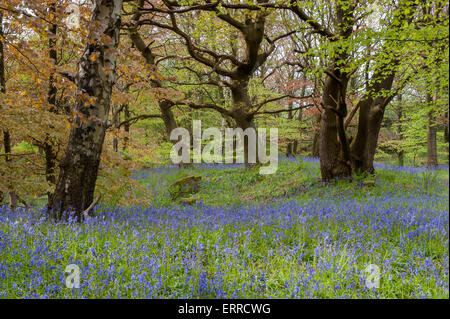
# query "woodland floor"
(247, 236)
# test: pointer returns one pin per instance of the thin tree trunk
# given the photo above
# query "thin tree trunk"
(12, 194)
(316, 137)
(50, 152)
(95, 78)
(126, 138)
(400, 151)
(296, 142)
(432, 159)
(6, 134)
(290, 145)
(116, 121)
(446, 135)
(295, 147)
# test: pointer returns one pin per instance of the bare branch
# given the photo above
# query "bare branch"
(260, 105)
(87, 210)
(285, 110)
(138, 118)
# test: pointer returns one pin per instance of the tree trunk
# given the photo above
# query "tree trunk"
(241, 107)
(316, 137)
(167, 116)
(446, 136)
(432, 159)
(365, 143)
(6, 134)
(244, 123)
(126, 127)
(289, 149)
(300, 138)
(116, 121)
(400, 151)
(95, 79)
(295, 147)
(328, 143)
(373, 105)
(50, 152)
(12, 194)
(290, 145)
(371, 112)
(150, 58)
(332, 143)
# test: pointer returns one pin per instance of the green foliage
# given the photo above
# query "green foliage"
(24, 147)
(428, 179)
(163, 152)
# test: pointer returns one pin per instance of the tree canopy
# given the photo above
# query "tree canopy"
(96, 87)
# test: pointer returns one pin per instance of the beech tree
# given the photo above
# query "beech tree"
(337, 156)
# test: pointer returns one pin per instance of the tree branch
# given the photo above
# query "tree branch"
(87, 210)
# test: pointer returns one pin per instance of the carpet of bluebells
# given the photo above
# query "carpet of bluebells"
(247, 236)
